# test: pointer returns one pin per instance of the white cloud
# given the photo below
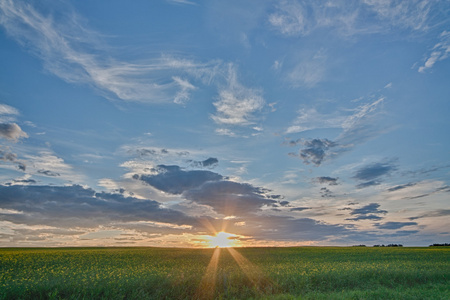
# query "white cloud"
(237, 104)
(412, 14)
(108, 183)
(182, 2)
(225, 131)
(357, 128)
(183, 95)
(47, 164)
(361, 113)
(309, 119)
(75, 54)
(8, 113)
(8, 110)
(439, 52)
(290, 18)
(300, 18)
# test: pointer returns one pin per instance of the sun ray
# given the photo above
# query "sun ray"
(253, 273)
(207, 286)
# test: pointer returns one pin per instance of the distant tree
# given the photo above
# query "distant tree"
(359, 245)
(440, 245)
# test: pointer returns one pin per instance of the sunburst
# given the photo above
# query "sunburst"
(222, 240)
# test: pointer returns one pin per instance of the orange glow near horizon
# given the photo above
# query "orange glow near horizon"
(222, 240)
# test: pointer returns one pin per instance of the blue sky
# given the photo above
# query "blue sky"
(161, 123)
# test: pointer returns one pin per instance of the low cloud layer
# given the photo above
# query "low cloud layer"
(395, 225)
(75, 206)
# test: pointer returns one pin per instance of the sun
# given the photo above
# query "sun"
(222, 240)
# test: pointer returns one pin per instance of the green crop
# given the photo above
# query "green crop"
(245, 273)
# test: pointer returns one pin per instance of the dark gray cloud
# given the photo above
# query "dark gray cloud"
(443, 189)
(433, 214)
(299, 208)
(147, 152)
(326, 193)
(372, 174)
(365, 217)
(174, 180)
(278, 228)
(367, 212)
(11, 131)
(22, 181)
(207, 163)
(400, 187)
(155, 153)
(370, 208)
(425, 171)
(315, 150)
(395, 225)
(327, 180)
(7, 156)
(374, 171)
(48, 173)
(75, 206)
(402, 233)
(367, 184)
(230, 198)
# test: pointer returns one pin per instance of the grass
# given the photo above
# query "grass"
(252, 273)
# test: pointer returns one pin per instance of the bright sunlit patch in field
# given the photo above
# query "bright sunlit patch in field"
(222, 240)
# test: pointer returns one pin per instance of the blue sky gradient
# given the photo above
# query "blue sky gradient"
(161, 123)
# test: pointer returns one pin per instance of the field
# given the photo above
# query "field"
(241, 273)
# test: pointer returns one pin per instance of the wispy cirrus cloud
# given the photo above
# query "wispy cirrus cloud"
(237, 104)
(294, 18)
(308, 71)
(439, 52)
(48, 164)
(413, 14)
(6, 110)
(357, 128)
(432, 214)
(74, 53)
(310, 119)
(184, 2)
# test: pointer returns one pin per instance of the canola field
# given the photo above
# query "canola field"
(240, 273)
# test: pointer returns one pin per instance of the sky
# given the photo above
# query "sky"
(280, 123)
